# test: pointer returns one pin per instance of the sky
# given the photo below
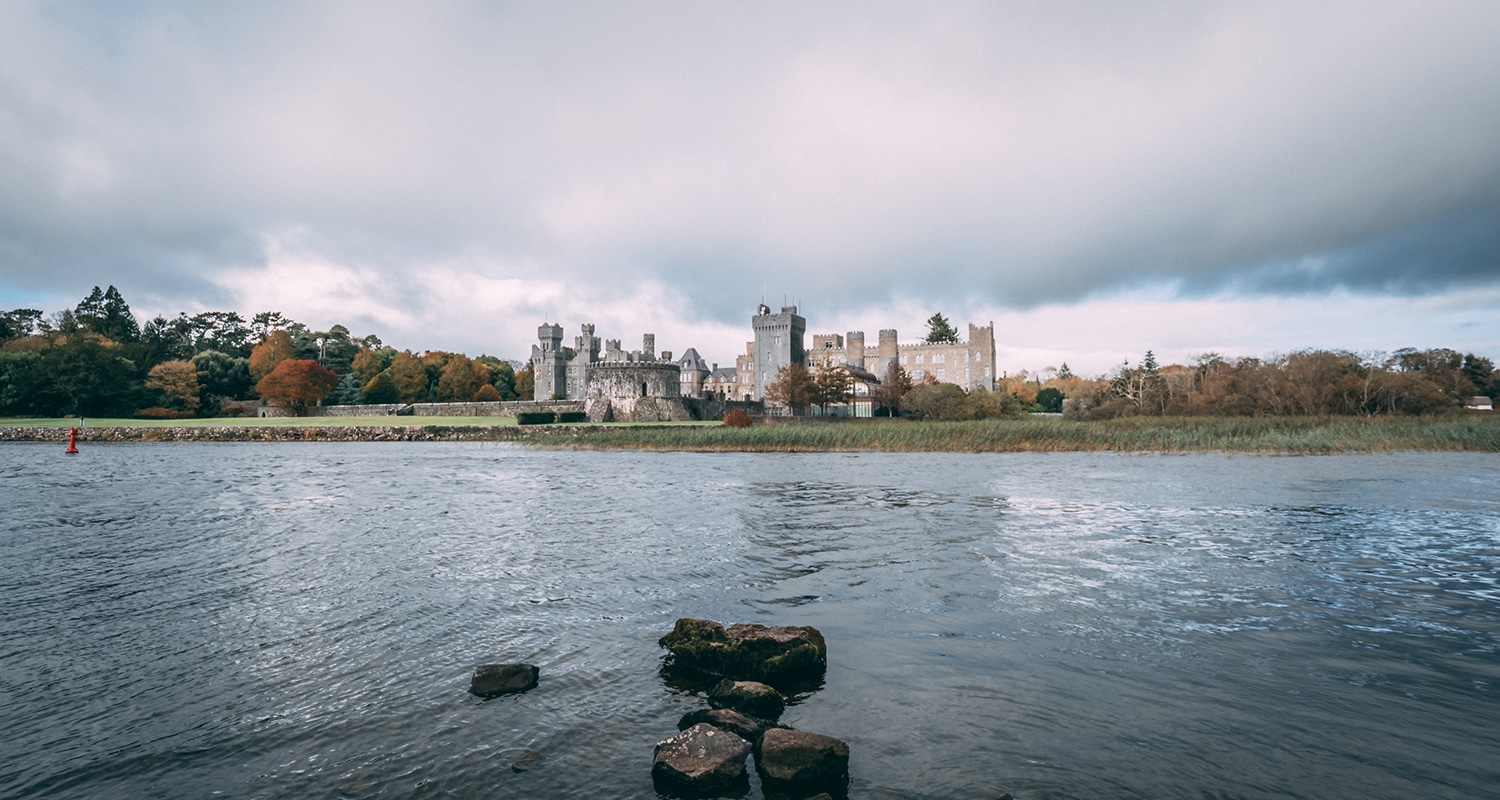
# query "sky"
(1096, 179)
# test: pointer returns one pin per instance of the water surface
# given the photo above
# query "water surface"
(299, 620)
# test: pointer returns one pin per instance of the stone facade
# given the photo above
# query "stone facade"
(778, 343)
(614, 384)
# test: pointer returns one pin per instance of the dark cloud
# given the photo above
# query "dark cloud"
(956, 154)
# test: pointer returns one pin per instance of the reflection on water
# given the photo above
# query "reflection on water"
(288, 620)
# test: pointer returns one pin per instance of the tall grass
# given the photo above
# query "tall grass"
(1288, 435)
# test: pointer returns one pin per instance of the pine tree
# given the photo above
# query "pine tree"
(939, 331)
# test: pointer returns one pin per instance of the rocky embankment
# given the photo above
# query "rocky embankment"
(267, 433)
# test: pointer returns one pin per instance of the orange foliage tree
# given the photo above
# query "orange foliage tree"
(295, 384)
(272, 350)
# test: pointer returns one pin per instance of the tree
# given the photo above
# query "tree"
(793, 388)
(382, 390)
(296, 383)
(893, 386)
(459, 381)
(19, 323)
(347, 393)
(526, 382)
(262, 324)
(938, 401)
(107, 314)
(222, 374)
(939, 331)
(165, 339)
(410, 377)
(1063, 373)
(832, 385)
(1049, 399)
(224, 331)
(369, 363)
(487, 394)
(178, 380)
(501, 375)
(274, 349)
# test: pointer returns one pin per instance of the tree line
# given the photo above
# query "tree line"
(1303, 383)
(95, 359)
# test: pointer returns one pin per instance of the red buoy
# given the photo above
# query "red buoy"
(72, 442)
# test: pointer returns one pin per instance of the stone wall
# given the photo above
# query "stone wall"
(508, 408)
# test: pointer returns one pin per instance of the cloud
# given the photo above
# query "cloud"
(681, 160)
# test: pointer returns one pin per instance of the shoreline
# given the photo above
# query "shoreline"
(1263, 435)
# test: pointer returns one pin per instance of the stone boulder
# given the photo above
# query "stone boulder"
(746, 727)
(801, 762)
(699, 760)
(749, 652)
(748, 697)
(491, 680)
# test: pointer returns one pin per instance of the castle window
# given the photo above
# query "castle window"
(917, 374)
(919, 358)
(940, 374)
(643, 390)
(937, 358)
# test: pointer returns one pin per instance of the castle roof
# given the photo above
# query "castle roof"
(724, 374)
(692, 361)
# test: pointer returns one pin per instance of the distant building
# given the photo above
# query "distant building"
(1480, 404)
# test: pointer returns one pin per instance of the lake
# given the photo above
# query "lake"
(300, 620)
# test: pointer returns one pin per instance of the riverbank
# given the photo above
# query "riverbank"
(1475, 432)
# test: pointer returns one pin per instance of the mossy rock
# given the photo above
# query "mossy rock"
(749, 652)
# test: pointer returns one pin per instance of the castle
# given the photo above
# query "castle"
(641, 385)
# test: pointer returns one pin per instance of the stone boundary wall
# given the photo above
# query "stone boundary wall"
(505, 408)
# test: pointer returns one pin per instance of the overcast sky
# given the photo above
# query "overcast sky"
(1097, 179)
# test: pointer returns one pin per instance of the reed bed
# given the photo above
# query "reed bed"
(1300, 436)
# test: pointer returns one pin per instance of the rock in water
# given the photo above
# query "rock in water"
(497, 679)
(700, 759)
(748, 697)
(797, 761)
(745, 727)
(749, 652)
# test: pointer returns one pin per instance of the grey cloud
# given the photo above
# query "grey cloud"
(851, 153)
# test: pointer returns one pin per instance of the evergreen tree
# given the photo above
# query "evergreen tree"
(939, 331)
(347, 393)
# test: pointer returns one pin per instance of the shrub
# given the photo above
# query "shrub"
(234, 410)
(535, 418)
(737, 418)
(572, 416)
(157, 412)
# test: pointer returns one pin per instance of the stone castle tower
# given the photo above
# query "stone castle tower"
(778, 343)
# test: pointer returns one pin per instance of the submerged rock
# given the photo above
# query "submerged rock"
(797, 761)
(727, 719)
(491, 680)
(748, 697)
(749, 652)
(701, 759)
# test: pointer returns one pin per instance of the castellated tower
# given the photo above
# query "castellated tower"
(854, 349)
(778, 343)
(889, 352)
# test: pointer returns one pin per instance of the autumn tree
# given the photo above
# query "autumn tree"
(178, 380)
(793, 388)
(369, 363)
(939, 331)
(458, 381)
(487, 394)
(893, 386)
(832, 385)
(409, 376)
(382, 389)
(274, 349)
(526, 382)
(297, 383)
